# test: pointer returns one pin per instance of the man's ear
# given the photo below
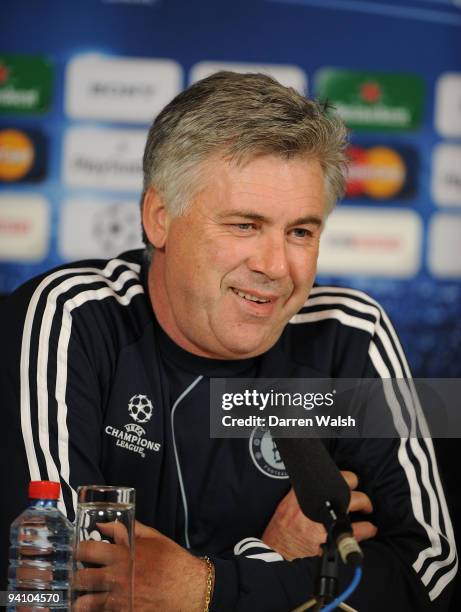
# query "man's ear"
(155, 218)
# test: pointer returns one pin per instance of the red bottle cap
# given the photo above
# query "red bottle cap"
(44, 489)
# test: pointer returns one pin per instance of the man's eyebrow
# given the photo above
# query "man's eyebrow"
(308, 220)
(248, 214)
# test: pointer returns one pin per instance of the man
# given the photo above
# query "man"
(240, 174)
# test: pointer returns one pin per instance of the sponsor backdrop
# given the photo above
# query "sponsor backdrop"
(81, 81)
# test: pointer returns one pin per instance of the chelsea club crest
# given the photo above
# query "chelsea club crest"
(265, 454)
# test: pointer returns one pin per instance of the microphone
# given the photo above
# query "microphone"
(323, 494)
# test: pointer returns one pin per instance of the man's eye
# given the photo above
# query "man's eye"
(301, 232)
(244, 226)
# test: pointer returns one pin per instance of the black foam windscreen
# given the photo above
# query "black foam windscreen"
(314, 476)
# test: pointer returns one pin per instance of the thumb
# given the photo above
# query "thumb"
(116, 531)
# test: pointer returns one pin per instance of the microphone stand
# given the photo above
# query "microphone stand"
(327, 580)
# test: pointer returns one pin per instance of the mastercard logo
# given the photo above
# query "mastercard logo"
(375, 172)
(17, 155)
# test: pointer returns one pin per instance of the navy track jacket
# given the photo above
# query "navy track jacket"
(92, 391)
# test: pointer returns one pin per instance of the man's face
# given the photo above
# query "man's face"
(241, 261)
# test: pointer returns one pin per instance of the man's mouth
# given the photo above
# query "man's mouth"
(251, 297)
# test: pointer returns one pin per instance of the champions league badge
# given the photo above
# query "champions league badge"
(265, 454)
(140, 408)
(131, 438)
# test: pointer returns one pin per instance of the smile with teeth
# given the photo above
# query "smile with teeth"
(250, 297)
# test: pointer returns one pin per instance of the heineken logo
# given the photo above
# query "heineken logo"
(25, 84)
(365, 100)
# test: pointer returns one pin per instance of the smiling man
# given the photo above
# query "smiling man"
(240, 174)
(244, 253)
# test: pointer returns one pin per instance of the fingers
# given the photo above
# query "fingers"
(364, 530)
(92, 579)
(292, 534)
(98, 602)
(116, 531)
(107, 585)
(297, 542)
(101, 553)
(360, 502)
(90, 603)
(351, 479)
(288, 509)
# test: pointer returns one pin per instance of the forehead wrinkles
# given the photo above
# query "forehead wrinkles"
(272, 193)
(299, 182)
(256, 192)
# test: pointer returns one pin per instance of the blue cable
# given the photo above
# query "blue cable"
(345, 594)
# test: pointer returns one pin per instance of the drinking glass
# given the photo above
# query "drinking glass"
(104, 548)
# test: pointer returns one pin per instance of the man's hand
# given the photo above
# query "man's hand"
(104, 583)
(166, 576)
(294, 536)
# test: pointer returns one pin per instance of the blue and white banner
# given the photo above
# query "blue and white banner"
(80, 83)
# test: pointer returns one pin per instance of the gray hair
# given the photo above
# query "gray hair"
(239, 117)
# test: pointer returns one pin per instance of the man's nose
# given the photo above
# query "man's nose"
(270, 257)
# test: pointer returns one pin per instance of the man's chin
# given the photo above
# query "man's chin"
(246, 347)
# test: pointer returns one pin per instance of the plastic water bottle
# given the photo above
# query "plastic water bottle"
(40, 554)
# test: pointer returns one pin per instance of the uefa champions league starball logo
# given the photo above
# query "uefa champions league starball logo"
(140, 408)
